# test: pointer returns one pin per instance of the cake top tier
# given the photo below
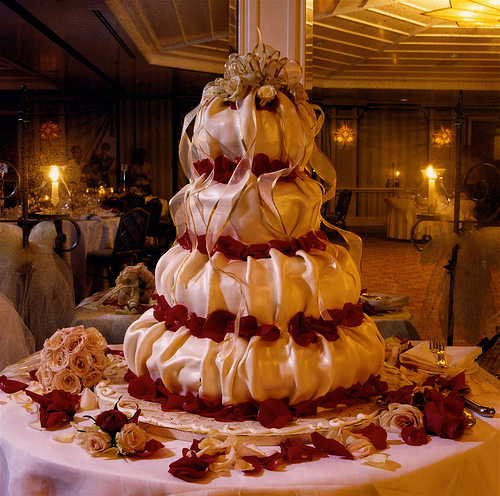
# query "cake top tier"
(259, 107)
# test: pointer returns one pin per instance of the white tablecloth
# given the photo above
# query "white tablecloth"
(33, 463)
(399, 323)
(110, 324)
(402, 215)
(97, 233)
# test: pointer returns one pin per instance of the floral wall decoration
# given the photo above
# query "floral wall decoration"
(344, 134)
(50, 130)
(442, 136)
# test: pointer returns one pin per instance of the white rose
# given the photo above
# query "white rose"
(266, 94)
(95, 340)
(92, 378)
(80, 363)
(45, 376)
(96, 442)
(56, 360)
(67, 381)
(233, 87)
(55, 341)
(210, 92)
(76, 340)
(399, 416)
(131, 439)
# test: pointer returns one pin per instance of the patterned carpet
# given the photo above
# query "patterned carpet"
(393, 267)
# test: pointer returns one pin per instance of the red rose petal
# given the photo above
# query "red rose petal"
(330, 446)
(143, 388)
(413, 436)
(10, 386)
(376, 434)
(293, 451)
(273, 413)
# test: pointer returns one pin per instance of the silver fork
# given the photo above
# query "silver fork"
(437, 345)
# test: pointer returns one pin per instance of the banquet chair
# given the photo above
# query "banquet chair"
(131, 201)
(154, 207)
(341, 209)
(127, 249)
(153, 248)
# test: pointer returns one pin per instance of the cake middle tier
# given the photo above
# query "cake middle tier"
(252, 210)
(272, 289)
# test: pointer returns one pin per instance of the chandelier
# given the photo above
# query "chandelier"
(470, 13)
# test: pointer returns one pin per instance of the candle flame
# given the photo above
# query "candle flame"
(431, 173)
(54, 173)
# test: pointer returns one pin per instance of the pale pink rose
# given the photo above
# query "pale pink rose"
(80, 363)
(95, 340)
(399, 416)
(359, 446)
(67, 381)
(96, 442)
(55, 341)
(45, 376)
(131, 439)
(98, 360)
(92, 378)
(57, 360)
(266, 94)
(75, 340)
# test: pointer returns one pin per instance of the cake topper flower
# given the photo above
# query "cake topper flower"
(264, 70)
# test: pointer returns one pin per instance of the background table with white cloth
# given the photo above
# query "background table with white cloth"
(97, 233)
(398, 323)
(402, 215)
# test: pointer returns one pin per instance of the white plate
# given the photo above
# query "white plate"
(385, 302)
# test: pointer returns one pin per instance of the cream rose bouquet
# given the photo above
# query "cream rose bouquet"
(72, 359)
(135, 285)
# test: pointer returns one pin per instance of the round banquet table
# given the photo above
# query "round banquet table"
(402, 215)
(33, 463)
(97, 233)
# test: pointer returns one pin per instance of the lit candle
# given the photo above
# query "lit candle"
(54, 175)
(431, 174)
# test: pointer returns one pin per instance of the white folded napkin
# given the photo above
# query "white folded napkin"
(459, 358)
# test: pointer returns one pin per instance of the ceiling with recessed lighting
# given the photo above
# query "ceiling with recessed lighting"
(153, 47)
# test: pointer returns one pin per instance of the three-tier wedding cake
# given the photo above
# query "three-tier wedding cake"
(254, 301)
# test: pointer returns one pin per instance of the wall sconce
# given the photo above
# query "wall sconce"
(432, 197)
(470, 13)
(442, 136)
(392, 179)
(344, 134)
(50, 130)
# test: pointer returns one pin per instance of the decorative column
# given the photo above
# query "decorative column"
(286, 25)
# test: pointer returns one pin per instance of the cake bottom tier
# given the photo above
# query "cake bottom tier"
(238, 370)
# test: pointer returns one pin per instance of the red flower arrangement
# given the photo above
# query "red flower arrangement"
(56, 407)
(114, 431)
